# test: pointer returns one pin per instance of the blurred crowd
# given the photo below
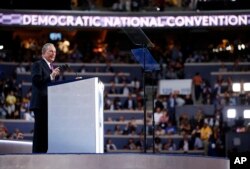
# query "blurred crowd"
(198, 132)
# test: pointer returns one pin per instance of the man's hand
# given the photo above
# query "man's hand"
(55, 72)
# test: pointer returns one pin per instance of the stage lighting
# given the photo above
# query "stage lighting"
(246, 87)
(231, 113)
(246, 114)
(236, 87)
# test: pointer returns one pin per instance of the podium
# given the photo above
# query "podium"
(75, 116)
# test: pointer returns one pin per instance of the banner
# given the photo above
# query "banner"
(183, 87)
(122, 20)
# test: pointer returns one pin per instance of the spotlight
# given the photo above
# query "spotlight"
(246, 114)
(246, 87)
(231, 113)
(236, 87)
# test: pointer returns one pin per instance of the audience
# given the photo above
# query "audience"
(169, 145)
(185, 143)
(205, 132)
(110, 146)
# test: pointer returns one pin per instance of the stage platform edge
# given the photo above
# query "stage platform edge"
(110, 161)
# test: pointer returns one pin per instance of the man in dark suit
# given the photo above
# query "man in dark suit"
(42, 73)
(185, 143)
(129, 103)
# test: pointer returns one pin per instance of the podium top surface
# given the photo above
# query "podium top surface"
(69, 81)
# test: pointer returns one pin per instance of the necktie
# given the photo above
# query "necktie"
(51, 66)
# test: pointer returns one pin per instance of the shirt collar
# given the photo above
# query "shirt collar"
(47, 62)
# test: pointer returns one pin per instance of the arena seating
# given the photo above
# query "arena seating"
(130, 72)
(210, 71)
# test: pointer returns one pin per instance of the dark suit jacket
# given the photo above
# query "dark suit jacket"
(181, 144)
(40, 74)
(125, 105)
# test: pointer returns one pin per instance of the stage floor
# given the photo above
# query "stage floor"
(110, 161)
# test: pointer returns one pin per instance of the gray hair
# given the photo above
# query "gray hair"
(45, 47)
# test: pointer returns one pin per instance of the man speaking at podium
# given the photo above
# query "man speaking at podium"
(42, 73)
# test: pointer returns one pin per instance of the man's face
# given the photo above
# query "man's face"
(50, 54)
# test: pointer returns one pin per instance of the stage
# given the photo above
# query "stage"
(109, 161)
(17, 155)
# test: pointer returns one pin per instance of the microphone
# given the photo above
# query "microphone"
(67, 67)
(64, 67)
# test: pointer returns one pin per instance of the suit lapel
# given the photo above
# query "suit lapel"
(46, 66)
